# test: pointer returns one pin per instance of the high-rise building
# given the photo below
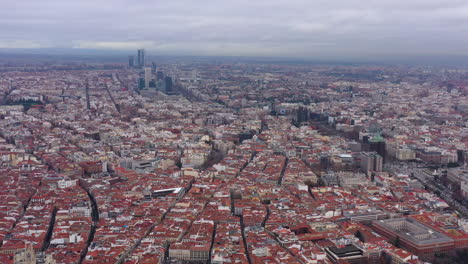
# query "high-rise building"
(161, 86)
(131, 61)
(141, 83)
(147, 77)
(168, 82)
(377, 144)
(159, 75)
(141, 58)
(153, 67)
(371, 161)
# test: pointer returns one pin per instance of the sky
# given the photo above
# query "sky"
(279, 28)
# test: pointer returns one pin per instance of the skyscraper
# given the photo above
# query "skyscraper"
(147, 77)
(168, 82)
(161, 86)
(131, 61)
(160, 75)
(141, 58)
(377, 144)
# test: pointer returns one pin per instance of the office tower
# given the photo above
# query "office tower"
(161, 85)
(378, 163)
(141, 58)
(377, 144)
(131, 61)
(367, 163)
(376, 141)
(147, 77)
(160, 75)
(302, 115)
(141, 83)
(153, 68)
(168, 82)
(152, 84)
(371, 161)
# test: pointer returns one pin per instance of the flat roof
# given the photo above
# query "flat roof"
(345, 250)
(413, 231)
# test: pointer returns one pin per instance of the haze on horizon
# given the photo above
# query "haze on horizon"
(280, 28)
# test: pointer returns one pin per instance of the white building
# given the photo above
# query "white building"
(147, 77)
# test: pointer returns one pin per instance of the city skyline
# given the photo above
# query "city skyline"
(234, 132)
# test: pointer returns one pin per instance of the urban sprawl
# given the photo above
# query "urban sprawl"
(146, 161)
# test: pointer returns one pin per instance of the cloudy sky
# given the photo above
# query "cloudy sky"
(283, 28)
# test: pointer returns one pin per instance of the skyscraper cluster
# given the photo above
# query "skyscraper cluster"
(140, 59)
(150, 77)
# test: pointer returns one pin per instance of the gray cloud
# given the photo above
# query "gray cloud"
(300, 28)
